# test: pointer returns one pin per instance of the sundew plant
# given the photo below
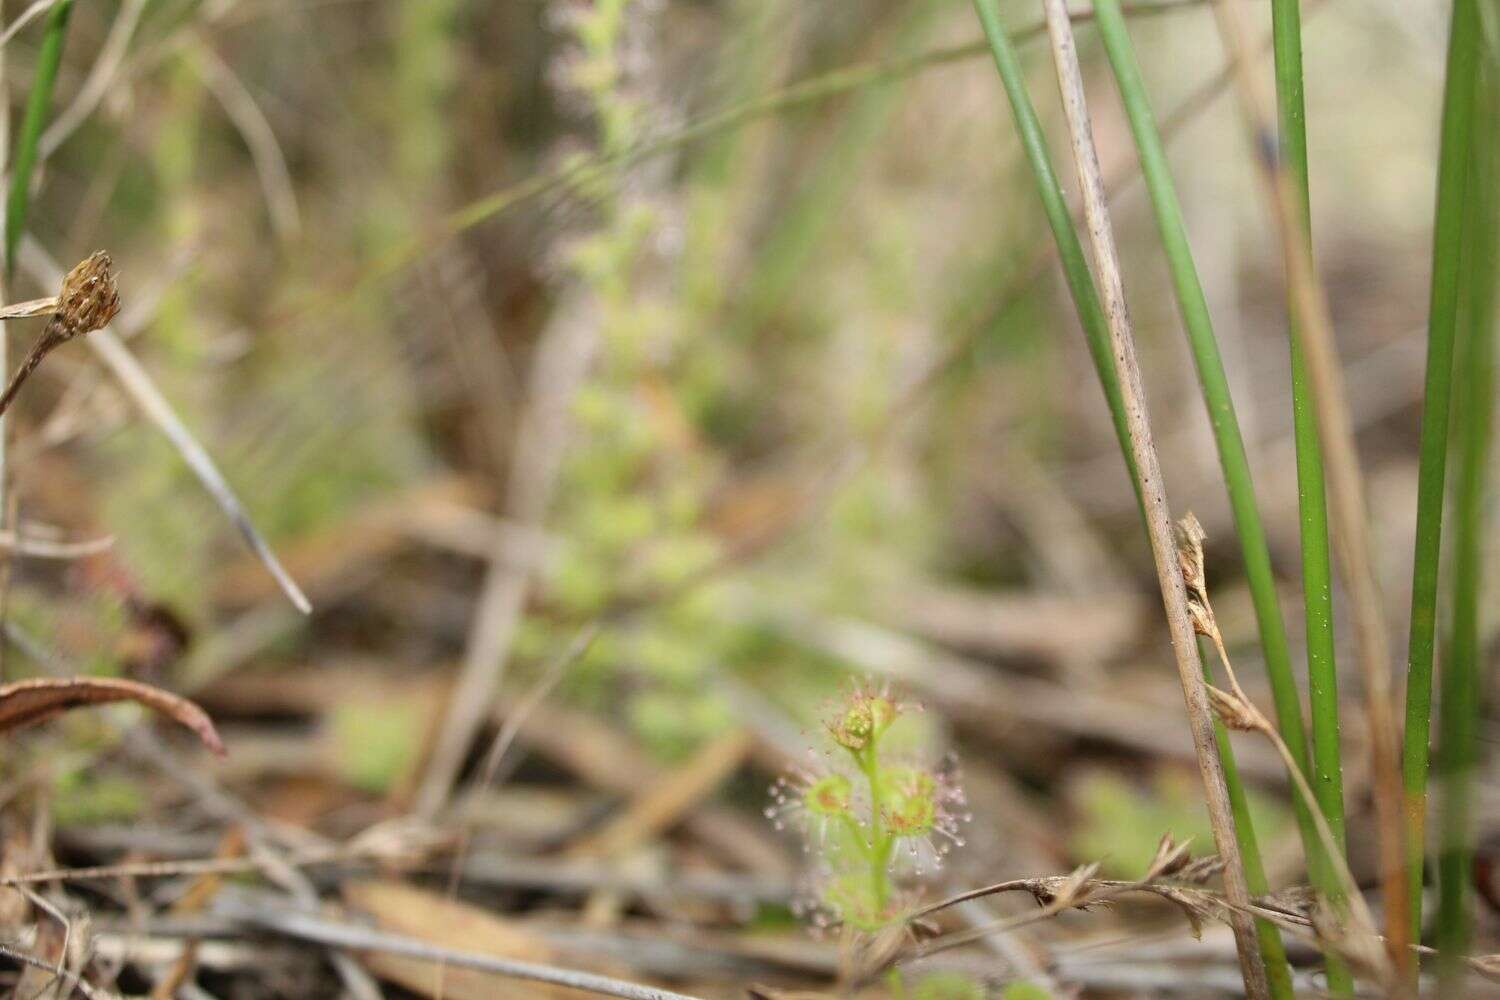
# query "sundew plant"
(873, 818)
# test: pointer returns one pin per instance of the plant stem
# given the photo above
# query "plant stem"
(1272, 950)
(1326, 771)
(1219, 402)
(1336, 434)
(1152, 491)
(49, 56)
(1086, 302)
(880, 840)
(1070, 254)
(1442, 321)
(1462, 678)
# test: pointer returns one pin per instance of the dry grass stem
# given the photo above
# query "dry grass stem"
(1153, 495)
(143, 391)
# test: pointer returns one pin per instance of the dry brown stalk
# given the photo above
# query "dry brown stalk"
(1153, 496)
(1346, 488)
(1172, 875)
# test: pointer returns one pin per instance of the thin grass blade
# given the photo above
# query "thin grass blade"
(49, 57)
(1442, 322)
(143, 391)
(1193, 306)
(1463, 668)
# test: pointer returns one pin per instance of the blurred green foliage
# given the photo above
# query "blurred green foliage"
(1120, 824)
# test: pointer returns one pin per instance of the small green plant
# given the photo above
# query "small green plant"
(871, 818)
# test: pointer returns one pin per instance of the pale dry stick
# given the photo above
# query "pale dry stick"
(265, 151)
(551, 676)
(1153, 496)
(60, 984)
(1347, 502)
(260, 838)
(101, 77)
(310, 927)
(28, 15)
(46, 548)
(5, 456)
(138, 385)
(561, 364)
(1080, 888)
(92, 992)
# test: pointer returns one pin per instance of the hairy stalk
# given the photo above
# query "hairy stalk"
(1336, 433)
(1442, 321)
(1463, 668)
(1158, 516)
(18, 200)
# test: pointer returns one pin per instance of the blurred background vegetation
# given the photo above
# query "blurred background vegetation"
(777, 405)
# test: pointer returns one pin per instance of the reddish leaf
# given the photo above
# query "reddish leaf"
(28, 702)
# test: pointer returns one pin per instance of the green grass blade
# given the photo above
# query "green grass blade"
(1217, 399)
(1326, 772)
(1086, 301)
(49, 56)
(1463, 667)
(1442, 320)
(1055, 205)
(1278, 969)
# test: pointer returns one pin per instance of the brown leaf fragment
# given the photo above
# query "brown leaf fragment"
(405, 909)
(28, 702)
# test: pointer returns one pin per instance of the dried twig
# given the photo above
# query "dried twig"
(16, 955)
(562, 361)
(1315, 331)
(1081, 889)
(101, 76)
(1153, 494)
(265, 151)
(308, 927)
(143, 391)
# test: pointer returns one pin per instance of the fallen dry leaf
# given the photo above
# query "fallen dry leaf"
(25, 703)
(405, 909)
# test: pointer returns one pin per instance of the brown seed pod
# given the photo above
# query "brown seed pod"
(89, 299)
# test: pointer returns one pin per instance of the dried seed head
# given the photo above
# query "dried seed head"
(1236, 712)
(1190, 537)
(89, 298)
